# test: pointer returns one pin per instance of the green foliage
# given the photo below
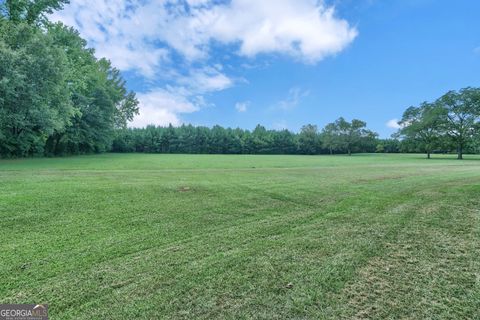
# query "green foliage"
(380, 148)
(423, 125)
(308, 140)
(55, 96)
(348, 136)
(219, 140)
(388, 146)
(461, 117)
(30, 11)
(35, 100)
(451, 122)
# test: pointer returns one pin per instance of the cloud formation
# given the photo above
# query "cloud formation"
(393, 124)
(208, 79)
(162, 107)
(154, 37)
(242, 106)
(295, 96)
(301, 28)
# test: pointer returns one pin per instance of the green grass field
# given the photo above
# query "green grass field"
(239, 237)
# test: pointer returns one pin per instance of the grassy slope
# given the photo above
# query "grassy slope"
(176, 236)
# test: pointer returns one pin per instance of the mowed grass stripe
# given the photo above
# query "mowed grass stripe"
(227, 246)
(214, 258)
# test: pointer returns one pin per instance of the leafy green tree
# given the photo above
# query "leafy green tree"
(201, 139)
(388, 145)
(461, 116)
(350, 132)
(329, 137)
(284, 142)
(380, 148)
(423, 125)
(34, 95)
(219, 140)
(308, 140)
(55, 96)
(368, 142)
(348, 136)
(261, 141)
(30, 11)
(97, 91)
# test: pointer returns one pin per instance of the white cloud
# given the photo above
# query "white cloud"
(208, 79)
(393, 124)
(197, 3)
(302, 28)
(295, 96)
(162, 107)
(139, 35)
(151, 115)
(242, 106)
(172, 40)
(120, 31)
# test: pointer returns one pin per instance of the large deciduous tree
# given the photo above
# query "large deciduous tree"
(97, 91)
(34, 95)
(423, 125)
(461, 116)
(308, 140)
(329, 137)
(348, 136)
(56, 97)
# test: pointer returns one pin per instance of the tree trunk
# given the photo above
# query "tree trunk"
(428, 155)
(349, 152)
(460, 152)
(331, 151)
(57, 144)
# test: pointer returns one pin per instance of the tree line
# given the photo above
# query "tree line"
(449, 124)
(341, 136)
(55, 96)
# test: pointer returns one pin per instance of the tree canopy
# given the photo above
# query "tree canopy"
(423, 125)
(348, 136)
(190, 139)
(55, 96)
(452, 121)
(30, 11)
(461, 117)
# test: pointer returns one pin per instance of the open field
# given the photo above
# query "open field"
(204, 236)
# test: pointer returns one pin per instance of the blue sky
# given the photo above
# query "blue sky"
(283, 63)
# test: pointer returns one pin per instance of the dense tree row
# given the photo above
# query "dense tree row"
(55, 96)
(452, 122)
(338, 137)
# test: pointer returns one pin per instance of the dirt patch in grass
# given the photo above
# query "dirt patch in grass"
(380, 178)
(184, 189)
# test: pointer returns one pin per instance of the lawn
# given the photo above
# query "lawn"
(237, 237)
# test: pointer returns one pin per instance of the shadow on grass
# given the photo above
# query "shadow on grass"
(451, 157)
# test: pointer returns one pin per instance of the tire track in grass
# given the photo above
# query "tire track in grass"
(200, 246)
(296, 219)
(430, 270)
